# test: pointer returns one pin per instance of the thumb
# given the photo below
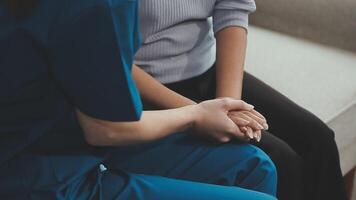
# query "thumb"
(232, 104)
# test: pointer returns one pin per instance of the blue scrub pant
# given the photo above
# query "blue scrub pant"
(186, 168)
(179, 167)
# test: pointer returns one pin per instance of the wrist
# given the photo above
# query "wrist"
(233, 95)
(232, 90)
(195, 114)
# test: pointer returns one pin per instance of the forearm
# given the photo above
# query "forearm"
(231, 50)
(156, 93)
(153, 125)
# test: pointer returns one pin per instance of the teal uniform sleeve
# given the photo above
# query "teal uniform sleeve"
(92, 49)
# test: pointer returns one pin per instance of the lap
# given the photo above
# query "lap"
(112, 185)
(288, 121)
(185, 157)
(145, 187)
(179, 154)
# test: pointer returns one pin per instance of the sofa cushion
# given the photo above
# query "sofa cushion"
(331, 22)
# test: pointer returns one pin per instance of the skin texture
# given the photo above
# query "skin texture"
(208, 119)
(231, 45)
(146, 84)
(231, 50)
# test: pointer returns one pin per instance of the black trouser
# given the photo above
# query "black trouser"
(301, 145)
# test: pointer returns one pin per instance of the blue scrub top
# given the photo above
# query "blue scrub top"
(66, 55)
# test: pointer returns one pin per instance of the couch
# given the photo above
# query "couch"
(307, 51)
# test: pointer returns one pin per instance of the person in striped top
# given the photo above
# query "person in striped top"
(195, 50)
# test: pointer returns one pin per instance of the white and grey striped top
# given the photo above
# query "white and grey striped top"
(178, 36)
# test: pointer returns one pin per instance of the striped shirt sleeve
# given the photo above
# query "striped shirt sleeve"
(232, 13)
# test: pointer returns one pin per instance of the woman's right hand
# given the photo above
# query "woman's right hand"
(250, 122)
(212, 120)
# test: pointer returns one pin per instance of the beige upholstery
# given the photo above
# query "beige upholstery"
(331, 22)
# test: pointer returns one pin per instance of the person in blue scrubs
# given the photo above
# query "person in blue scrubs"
(67, 103)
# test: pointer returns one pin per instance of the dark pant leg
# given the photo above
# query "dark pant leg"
(287, 161)
(306, 134)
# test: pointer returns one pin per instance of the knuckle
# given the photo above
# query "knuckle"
(225, 102)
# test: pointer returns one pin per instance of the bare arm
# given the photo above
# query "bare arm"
(231, 50)
(209, 118)
(157, 94)
(152, 126)
(230, 59)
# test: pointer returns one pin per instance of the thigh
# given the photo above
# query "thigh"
(308, 136)
(288, 121)
(288, 163)
(145, 187)
(185, 157)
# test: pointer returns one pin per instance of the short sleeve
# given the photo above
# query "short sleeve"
(232, 13)
(92, 47)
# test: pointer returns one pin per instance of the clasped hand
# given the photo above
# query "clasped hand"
(224, 119)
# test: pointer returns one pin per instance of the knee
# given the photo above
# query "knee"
(328, 135)
(248, 167)
(327, 144)
(265, 167)
(285, 158)
(255, 158)
(323, 137)
(263, 172)
(315, 128)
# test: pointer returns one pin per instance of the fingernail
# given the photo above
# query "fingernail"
(225, 139)
(265, 126)
(256, 136)
(260, 126)
(246, 122)
(250, 106)
(259, 138)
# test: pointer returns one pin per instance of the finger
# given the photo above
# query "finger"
(224, 139)
(255, 112)
(244, 129)
(265, 124)
(261, 122)
(250, 132)
(238, 120)
(259, 136)
(232, 104)
(219, 138)
(247, 134)
(252, 123)
(236, 132)
(254, 116)
(256, 135)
